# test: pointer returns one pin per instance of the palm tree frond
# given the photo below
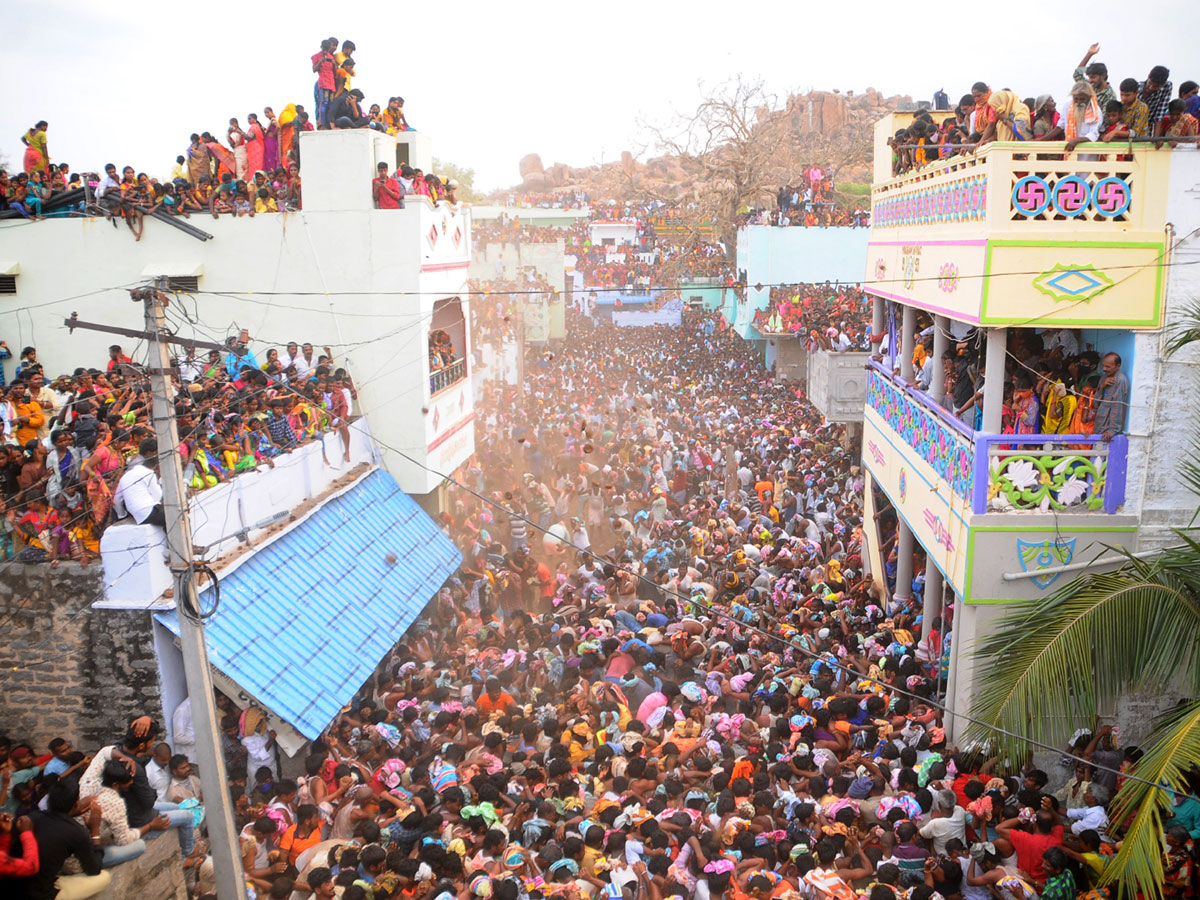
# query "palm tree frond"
(1047, 663)
(1172, 749)
(1186, 329)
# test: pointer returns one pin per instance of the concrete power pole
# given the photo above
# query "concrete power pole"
(223, 839)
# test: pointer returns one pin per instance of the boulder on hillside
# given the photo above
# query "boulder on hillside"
(535, 181)
(530, 163)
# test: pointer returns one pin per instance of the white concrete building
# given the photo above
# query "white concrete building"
(371, 284)
(613, 232)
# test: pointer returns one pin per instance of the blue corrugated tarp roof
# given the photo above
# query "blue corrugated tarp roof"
(304, 621)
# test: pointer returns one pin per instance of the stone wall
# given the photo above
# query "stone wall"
(66, 668)
(155, 875)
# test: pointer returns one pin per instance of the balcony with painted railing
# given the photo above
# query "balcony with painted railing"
(989, 505)
(1025, 233)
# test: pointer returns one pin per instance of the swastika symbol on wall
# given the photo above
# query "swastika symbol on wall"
(1111, 196)
(1071, 195)
(1031, 196)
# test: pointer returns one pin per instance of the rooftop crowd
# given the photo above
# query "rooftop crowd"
(811, 203)
(246, 170)
(564, 199)
(660, 672)
(833, 316)
(1092, 109)
(79, 451)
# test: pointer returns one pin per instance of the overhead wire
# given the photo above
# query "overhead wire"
(686, 600)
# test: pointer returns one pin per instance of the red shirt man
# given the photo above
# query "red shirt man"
(1047, 832)
(324, 64)
(385, 191)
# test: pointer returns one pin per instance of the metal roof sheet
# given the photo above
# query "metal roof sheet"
(304, 621)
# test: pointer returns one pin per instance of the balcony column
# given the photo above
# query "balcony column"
(933, 599)
(876, 316)
(907, 342)
(904, 563)
(993, 381)
(941, 343)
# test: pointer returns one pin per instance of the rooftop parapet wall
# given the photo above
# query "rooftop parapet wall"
(1006, 236)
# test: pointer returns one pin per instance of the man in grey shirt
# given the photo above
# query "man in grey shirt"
(1112, 398)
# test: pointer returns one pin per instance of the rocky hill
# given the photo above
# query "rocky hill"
(828, 128)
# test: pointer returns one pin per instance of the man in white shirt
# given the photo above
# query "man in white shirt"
(1092, 815)
(305, 363)
(158, 771)
(139, 492)
(108, 191)
(183, 730)
(949, 821)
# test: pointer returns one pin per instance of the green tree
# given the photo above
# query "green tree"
(1056, 660)
(465, 177)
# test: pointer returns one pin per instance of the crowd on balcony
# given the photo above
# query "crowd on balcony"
(834, 317)
(446, 365)
(389, 190)
(1052, 382)
(1091, 109)
(659, 672)
(79, 449)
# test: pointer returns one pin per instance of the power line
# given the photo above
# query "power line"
(858, 676)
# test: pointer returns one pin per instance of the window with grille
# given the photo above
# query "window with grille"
(8, 284)
(184, 283)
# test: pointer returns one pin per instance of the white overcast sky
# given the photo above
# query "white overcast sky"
(128, 81)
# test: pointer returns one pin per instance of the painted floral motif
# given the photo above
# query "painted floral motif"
(958, 201)
(949, 453)
(1046, 481)
(948, 277)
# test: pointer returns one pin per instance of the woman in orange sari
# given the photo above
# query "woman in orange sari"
(255, 144)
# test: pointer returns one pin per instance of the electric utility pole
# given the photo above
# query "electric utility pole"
(222, 836)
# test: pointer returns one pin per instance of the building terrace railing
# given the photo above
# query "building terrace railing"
(1015, 185)
(447, 375)
(1002, 472)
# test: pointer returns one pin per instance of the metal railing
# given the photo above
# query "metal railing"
(448, 375)
(1049, 473)
(1007, 472)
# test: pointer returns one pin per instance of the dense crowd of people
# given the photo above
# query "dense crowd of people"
(79, 451)
(1093, 110)
(564, 199)
(815, 214)
(833, 316)
(507, 229)
(661, 671)
(632, 266)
